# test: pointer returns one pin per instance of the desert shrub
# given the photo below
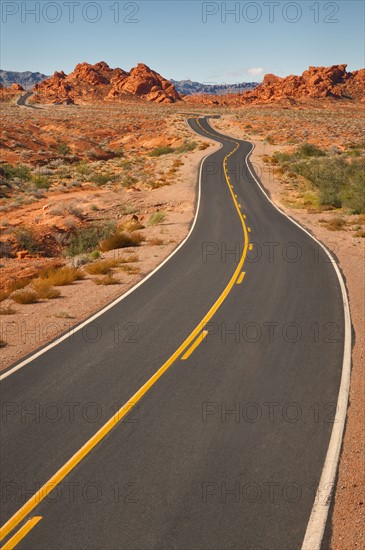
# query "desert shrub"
(62, 315)
(130, 269)
(63, 149)
(131, 225)
(83, 168)
(62, 276)
(127, 259)
(17, 284)
(3, 343)
(101, 179)
(309, 150)
(158, 151)
(18, 171)
(118, 152)
(155, 241)
(339, 182)
(129, 209)
(128, 181)
(26, 238)
(353, 188)
(107, 280)
(336, 223)
(24, 296)
(44, 289)
(95, 255)
(73, 209)
(126, 164)
(102, 267)
(186, 147)
(157, 217)
(86, 239)
(120, 240)
(40, 182)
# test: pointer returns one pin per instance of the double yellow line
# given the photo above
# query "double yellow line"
(193, 340)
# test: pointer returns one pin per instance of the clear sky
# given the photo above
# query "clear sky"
(217, 42)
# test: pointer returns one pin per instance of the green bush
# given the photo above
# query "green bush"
(101, 179)
(340, 181)
(158, 151)
(128, 181)
(63, 148)
(86, 239)
(309, 150)
(41, 182)
(26, 239)
(186, 147)
(157, 217)
(19, 171)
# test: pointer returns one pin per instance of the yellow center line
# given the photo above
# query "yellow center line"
(15, 539)
(60, 475)
(195, 345)
(241, 277)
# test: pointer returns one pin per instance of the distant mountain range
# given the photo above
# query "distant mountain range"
(188, 87)
(26, 79)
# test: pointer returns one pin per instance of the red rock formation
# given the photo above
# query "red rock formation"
(10, 92)
(316, 83)
(90, 83)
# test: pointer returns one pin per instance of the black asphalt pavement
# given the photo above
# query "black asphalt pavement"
(226, 449)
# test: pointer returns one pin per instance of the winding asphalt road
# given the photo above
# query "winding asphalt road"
(224, 367)
(23, 101)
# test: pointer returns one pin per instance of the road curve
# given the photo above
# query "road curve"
(23, 101)
(195, 413)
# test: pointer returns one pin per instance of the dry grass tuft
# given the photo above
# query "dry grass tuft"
(102, 267)
(121, 240)
(62, 315)
(17, 285)
(131, 225)
(62, 276)
(106, 280)
(44, 289)
(155, 241)
(130, 269)
(24, 296)
(128, 259)
(337, 223)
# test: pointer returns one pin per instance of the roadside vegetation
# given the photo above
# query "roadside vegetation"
(337, 179)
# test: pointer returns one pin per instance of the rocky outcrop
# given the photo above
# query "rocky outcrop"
(90, 83)
(10, 92)
(316, 83)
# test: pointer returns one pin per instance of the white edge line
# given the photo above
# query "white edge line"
(318, 518)
(120, 298)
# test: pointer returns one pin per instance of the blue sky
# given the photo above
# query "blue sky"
(183, 39)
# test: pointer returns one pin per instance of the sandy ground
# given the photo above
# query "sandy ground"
(347, 527)
(34, 324)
